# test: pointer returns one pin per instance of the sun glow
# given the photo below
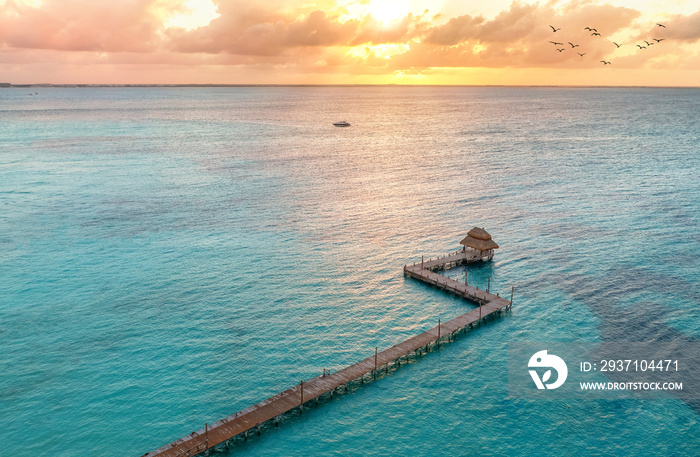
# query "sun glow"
(199, 14)
(384, 11)
(388, 10)
(384, 51)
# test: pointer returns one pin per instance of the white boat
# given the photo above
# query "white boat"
(342, 124)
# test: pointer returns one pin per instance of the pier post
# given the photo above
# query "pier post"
(466, 276)
(301, 405)
(488, 288)
(438, 340)
(511, 295)
(206, 434)
(375, 362)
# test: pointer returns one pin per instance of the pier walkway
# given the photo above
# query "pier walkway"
(253, 417)
(460, 257)
(424, 271)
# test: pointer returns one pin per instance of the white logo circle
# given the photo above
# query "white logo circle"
(543, 360)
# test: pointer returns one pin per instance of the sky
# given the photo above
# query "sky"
(458, 42)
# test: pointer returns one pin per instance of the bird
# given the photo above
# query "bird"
(641, 47)
(648, 44)
(556, 43)
(560, 50)
(605, 62)
(658, 40)
(660, 25)
(590, 29)
(618, 45)
(581, 53)
(553, 29)
(595, 34)
(572, 45)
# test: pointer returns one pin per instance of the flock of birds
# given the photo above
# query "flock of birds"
(594, 33)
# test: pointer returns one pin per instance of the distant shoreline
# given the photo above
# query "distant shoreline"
(44, 85)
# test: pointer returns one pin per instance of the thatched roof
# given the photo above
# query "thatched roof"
(479, 239)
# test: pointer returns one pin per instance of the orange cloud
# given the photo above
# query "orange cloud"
(319, 38)
(256, 30)
(684, 28)
(81, 25)
(252, 31)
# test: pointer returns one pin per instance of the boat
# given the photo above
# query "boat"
(342, 124)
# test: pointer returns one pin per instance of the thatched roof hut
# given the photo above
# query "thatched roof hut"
(479, 239)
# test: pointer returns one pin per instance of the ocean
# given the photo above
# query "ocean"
(170, 256)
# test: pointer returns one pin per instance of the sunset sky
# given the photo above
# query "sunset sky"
(349, 42)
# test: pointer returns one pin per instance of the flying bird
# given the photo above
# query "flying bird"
(658, 40)
(618, 45)
(595, 34)
(660, 25)
(648, 44)
(556, 43)
(605, 62)
(560, 50)
(590, 29)
(641, 47)
(553, 29)
(572, 45)
(581, 53)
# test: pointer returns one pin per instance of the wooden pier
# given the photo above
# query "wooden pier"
(253, 417)
(424, 271)
(453, 259)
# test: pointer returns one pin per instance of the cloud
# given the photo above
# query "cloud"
(81, 25)
(456, 30)
(683, 28)
(529, 23)
(255, 31)
(319, 37)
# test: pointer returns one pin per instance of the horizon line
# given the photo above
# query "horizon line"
(116, 85)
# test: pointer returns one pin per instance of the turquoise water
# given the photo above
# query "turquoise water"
(171, 256)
